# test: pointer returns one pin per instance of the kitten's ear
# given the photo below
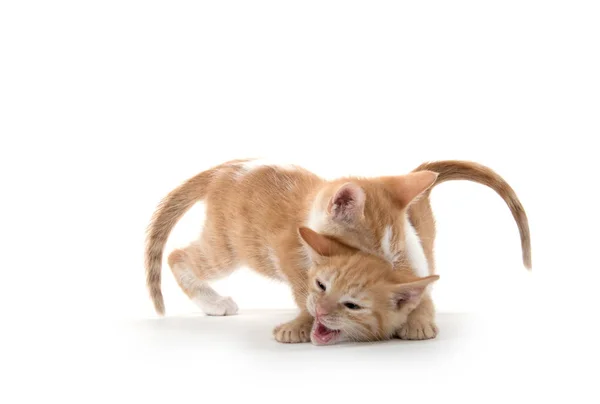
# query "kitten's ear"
(408, 187)
(411, 292)
(321, 246)
(347, 203)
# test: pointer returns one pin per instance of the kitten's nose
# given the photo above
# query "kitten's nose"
(321, 311)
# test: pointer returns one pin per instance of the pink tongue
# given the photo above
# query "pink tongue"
(323, 333)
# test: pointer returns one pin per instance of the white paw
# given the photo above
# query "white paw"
(224, 306)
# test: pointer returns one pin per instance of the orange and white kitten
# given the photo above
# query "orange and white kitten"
(352, 295)
(369, 226)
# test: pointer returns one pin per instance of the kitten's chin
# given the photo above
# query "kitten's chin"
(321, 335)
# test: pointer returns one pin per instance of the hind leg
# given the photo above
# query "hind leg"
(192, 271)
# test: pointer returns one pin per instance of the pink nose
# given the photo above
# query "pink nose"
(321, 311)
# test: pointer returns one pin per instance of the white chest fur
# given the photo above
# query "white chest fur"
(414, 250)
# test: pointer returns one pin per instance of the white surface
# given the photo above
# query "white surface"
(106, 106)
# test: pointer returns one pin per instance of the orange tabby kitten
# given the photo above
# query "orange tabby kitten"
(377, 239)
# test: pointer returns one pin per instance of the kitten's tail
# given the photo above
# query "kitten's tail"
(167, 214)
(451, 170)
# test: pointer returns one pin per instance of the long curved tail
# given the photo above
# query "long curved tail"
(167, 214)
(451, 170)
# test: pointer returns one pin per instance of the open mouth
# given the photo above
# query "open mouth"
(322, 335)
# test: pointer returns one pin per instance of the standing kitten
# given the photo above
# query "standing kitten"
(255, 217)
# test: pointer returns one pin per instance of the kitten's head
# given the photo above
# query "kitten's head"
(355, 296)
(369, 213)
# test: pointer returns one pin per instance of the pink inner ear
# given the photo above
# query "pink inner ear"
(410, 295)
(412, 291)
(347, 202)
(344, 199)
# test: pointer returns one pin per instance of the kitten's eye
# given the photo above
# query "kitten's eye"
(352, 306)
(320, 285)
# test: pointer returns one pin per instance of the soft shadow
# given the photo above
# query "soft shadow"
(252, 330)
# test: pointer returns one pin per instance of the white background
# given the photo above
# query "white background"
(106, 106)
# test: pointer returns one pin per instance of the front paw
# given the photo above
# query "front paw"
(293, 332)
(418, 330)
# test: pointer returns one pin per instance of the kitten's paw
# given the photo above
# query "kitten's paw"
(418, 330)
(224, 306)
(295, 331)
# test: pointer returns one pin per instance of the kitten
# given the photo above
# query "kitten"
(254, 212)
(352, 295)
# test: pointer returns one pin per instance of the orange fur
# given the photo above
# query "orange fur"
(453, 170)
(283, 223)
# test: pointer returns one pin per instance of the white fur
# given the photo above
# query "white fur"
(205, 297)
(221, 306)
(414, 250)
(317, 217)
(386, 244)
